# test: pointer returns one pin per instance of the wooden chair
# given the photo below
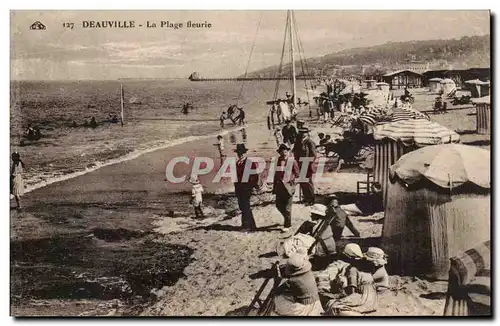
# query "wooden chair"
(365, 187)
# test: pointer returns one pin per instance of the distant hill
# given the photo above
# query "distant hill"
(463, 53)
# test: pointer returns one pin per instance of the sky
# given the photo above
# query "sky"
(59, 53)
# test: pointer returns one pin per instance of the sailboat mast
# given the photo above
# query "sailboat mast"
(293, 59)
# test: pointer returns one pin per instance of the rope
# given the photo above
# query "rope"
(280, 68)
(303, 61)
(249, 58)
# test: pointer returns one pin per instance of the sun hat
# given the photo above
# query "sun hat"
(352, 250)
(282, 147)
(297, 264)
(376, 255)
(318, 209)
(240, 148)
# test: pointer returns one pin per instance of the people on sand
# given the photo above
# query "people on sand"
(305, 147)
(378, 259)
(220, 146)
(278, 136)
(332, 280)
(289, 133)
(366, 205)
(197, 197)
(340, 219)
(222, 118)
(287, 170)
(241, 117)
(325, 246)
(16, 178)
(298, 295)
(243, 188)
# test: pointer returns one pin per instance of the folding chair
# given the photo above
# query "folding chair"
(263, 306)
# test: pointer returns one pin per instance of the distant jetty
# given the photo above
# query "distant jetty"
(195, 77)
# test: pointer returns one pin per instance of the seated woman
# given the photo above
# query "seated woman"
(323, 248)
(378, 259)
(325, 245)
(333, 280)
(366, 205)
(298, 295)
(360, 296)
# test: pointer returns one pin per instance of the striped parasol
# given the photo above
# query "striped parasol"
(368, 118)
(405, 114)
(421, 132)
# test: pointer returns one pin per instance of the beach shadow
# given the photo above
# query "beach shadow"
(240, 312)
(269, 255)
(266, 273)
(466, 132)
(269, 228)
(371, 220)
(471, 114)
(219, 227)
(434, 296)
(478, 143)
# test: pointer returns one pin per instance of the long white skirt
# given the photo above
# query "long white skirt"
(286, 306)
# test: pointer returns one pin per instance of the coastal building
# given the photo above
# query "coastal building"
(403, 78)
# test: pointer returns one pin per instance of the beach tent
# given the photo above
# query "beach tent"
(399, 137)
(448, 86)
(485, 88)
(435, 85)
(384, 87)
(439, 206)
(474, 86)
(483, 114)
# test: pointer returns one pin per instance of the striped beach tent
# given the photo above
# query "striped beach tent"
(400, 137)
(439, 206)
(483, 114)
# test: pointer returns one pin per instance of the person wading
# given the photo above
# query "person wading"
(305, 147)
(243, 188)
(16, 178)
(284, 184)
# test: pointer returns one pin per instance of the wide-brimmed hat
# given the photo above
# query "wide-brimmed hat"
(297, 264)
(333, 196)
(376, 255)
(282, 147)
(241, 148)
(352, 250)
(318, 209)
(304, 130)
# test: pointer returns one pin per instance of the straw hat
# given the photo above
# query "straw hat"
(376, 255)
(304, 130)
(353, 250)
(318, 209)
(297, 264)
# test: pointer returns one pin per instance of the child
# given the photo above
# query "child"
(196, 197)
(278, 136)
(222, 118)
(220, 146)
(321, 138)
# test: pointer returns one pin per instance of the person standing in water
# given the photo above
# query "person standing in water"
(16, 178)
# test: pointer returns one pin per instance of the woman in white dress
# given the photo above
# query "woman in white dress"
(16, 178)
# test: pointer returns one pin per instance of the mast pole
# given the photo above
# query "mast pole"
(293, 60)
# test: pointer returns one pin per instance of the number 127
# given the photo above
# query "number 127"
(69, 25)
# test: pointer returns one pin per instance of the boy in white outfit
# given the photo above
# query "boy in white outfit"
(196, 197)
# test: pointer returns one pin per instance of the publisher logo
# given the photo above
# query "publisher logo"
(37, 26)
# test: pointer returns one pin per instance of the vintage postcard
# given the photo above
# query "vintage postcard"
(250, 163)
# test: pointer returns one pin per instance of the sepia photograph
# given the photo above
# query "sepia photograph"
(250, 163)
